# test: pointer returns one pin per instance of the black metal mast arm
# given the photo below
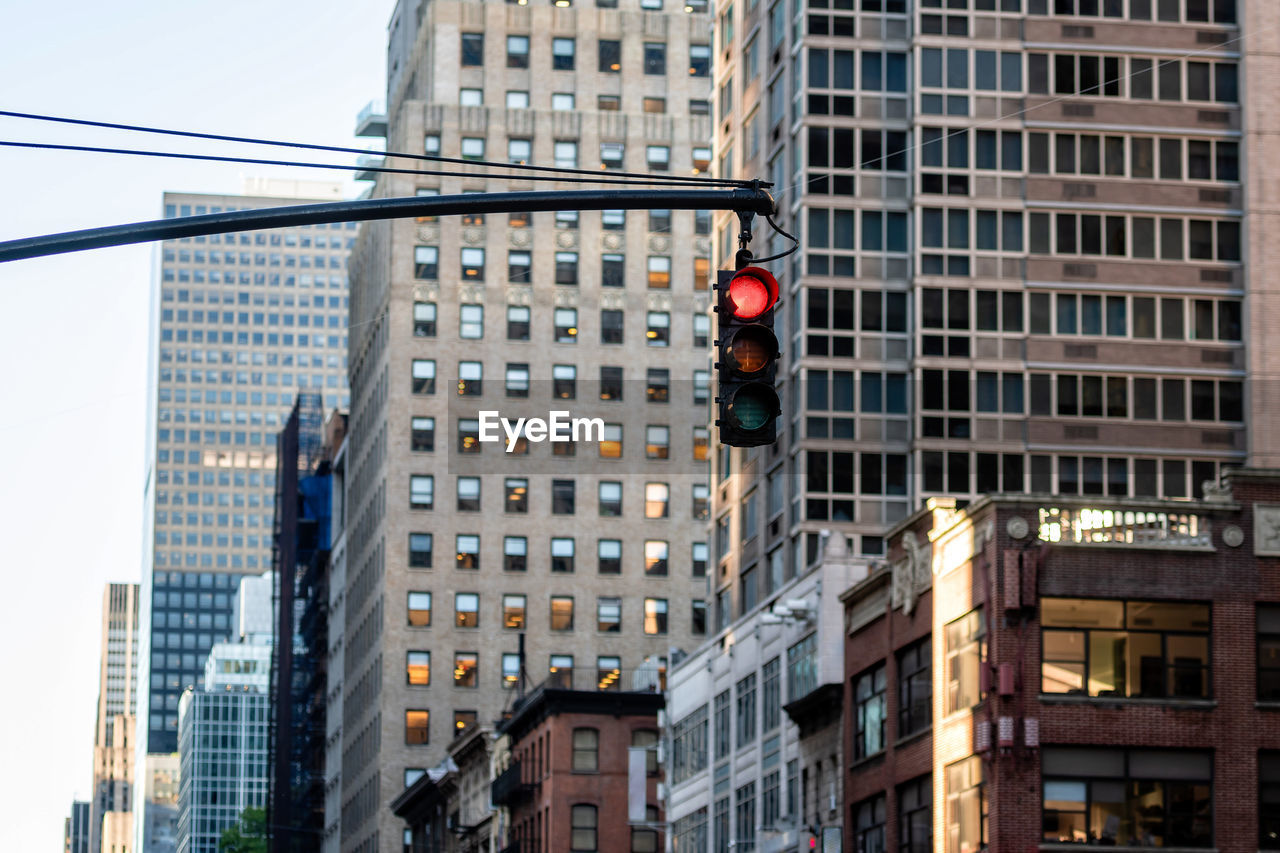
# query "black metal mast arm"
(739, 200)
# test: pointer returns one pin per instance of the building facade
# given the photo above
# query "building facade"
(753, 721)
(455, 547)
(564, 772)
(449, 809)
(75, 828)
(1071, 703)
(113, 747)
(1024, 263)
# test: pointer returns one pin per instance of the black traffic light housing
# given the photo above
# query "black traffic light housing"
(747, 357)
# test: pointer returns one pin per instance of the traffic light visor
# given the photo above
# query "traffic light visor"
(752, 291)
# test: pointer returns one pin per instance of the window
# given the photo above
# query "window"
(701, 329)
(513, 611)
(517, 494)
(744, 817)
(473, 148)
(745, 710)
(802, 668)
(471, 321)
(655, 557)
(656, 498)
(517, 51)
(914, 702)
(1268, 653)
(418, 669)
(562, 497)
(517, 100)
(515, 554)
(1125, 797)
(562, 552)
(419, 550)
(583, 828)
(613, 220)
(415, 727)
(660, 221)
(466, 609)
(586, 750)
(566, 325)
(611, 445)
(560, 672)
(519, 267)
(562, 54)
(468, 494)
(424, 376)
(472, 264)
(655, 58)
(655, 616)
(1269, 800)
(421, 491)
(701, 491)
(519, 150)
(966, 650)
(609, 615)
(699, 559)
(420, 609)
(699, 617)
(700, 60)
(426, 262)
(1098, 647)
(869, 706)
(472, 49)
(611, 327)
(470, 378)
(654, 105)
(424, 319)
(561, 613)
(658, 157)
(465, 669)
(657, 328)
(689, 750)
(967, 806)
(722, 723)
(517, 322)
(470, 97)
(612, 270)
(915, 821)
(868, 824)
(564, 381)
(609, 56)
(562, 101)
(610, 499)
(609, 556)
(510, 678)
(611, 155)
(422, 437)
(468, 551)
(517, 380)
(657, 442)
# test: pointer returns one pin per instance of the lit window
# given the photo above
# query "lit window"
(655, 616)
(466, 610)
(657, 442)
(658, 328)
(566, 325)
(468, 551)
(656, 498)
(608, 673)
(655, 557)
(420, 609)
(611, 446)
(517, 494)
(510, 670)
(701, 159)
(415, 727)
(513, 611)
(561, 672)
(561, 613)
(472, 264)
(465, 666)
(418, 669)
(470, 379)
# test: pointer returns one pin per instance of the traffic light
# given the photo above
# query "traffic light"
(747, 351)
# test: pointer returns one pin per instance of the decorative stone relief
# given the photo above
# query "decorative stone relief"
(473, 236)
(1017, 527)
(1216, 492)
(912, 574)
(566, 297)
(429, 233)
(611, 242)
(702, 246)
(1233, 536)
(426, 293)
(1266, 530)
(567, 240)
(612, 301)
(519, 295)
(469, 293)
(658, 301)
(521, 238)
(659, 244)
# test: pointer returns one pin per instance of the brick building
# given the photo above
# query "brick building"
(563, 783)
(1101, 672)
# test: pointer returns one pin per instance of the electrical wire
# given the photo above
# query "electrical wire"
(660, 180)
(433, 158)
(795, 244)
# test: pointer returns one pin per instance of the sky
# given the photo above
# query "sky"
(73, 328)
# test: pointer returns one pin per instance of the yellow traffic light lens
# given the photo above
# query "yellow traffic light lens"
(750, 353)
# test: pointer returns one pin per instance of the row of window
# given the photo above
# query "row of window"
(564, 55)
(563, 555)
(1136, 78)
(514, 615)
(1166, 11)
(565, 325)
(1064, 474)
(564, 381)
(659, 221)
(426, 266)
(657, 498)
(657, 444)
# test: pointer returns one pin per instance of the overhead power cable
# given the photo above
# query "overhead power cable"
(606, 178)
(432, 158)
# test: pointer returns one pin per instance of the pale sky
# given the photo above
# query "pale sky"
(73, 349)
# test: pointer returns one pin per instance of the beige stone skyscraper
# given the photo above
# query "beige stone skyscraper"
(113, 746)
(594, 551)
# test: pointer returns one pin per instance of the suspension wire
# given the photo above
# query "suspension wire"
(656, 180)
(434, 158)
(795, 243)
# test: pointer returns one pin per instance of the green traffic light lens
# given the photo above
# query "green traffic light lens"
(753, 406)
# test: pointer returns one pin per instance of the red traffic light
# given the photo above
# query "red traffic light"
(752, 291)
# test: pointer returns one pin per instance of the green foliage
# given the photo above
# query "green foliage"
(247, 836)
